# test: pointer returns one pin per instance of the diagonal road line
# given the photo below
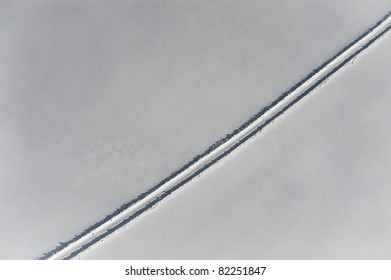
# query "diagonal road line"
(219, 150)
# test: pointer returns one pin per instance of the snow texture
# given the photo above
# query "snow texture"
(220, 149)
(101, 100)
(315, 185)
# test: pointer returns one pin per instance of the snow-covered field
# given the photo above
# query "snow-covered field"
(101, 101)
(315, 184)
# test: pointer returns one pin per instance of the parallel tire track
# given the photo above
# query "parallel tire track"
(220, 149)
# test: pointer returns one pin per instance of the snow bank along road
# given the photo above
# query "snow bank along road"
(220, 149)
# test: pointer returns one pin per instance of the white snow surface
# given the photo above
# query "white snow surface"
(99, 101)
(314, 185)
(202, 163)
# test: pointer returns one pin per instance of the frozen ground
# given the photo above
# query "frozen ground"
(100, 101)
(315, 184)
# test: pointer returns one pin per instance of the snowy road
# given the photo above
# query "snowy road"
(221, 148)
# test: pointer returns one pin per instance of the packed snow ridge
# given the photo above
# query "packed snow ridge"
(220, 149)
